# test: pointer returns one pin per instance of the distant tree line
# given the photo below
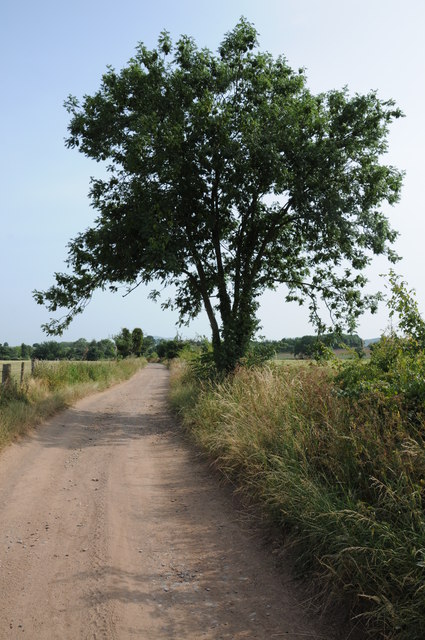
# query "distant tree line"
(126, 343)
(133, 343)
(51, 350)
(306, 345)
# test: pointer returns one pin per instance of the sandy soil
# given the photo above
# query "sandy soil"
(110, 527)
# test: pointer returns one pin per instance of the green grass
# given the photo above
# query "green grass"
(53, 387)
(291, 362)
(344, 479)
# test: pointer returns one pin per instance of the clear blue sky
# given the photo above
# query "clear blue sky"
(49, 49)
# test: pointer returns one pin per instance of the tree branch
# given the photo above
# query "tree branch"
(132, 289)
(225, 305)
(239, 251)
(269, 237)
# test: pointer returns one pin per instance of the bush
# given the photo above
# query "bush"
(169, 349)
(396, 369)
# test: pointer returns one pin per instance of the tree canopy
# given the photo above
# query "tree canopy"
(227, 176)
(129, 343)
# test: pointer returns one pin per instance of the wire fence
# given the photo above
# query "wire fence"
(16, 370)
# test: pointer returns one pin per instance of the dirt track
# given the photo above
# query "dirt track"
(110, 528)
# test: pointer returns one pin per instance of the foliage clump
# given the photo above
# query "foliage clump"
(396, 369)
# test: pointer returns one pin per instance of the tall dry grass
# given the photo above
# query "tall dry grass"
(54, 387)
(343, 478)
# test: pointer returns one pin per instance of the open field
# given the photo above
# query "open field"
(16, 367)
(289, 360)
(341, 354)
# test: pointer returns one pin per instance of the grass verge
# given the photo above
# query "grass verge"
(53, 387)
(343, 478)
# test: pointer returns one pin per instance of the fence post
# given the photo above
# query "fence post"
(22, 371)
(32, 366)
(6, 373)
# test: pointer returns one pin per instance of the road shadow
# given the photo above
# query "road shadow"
(79, 428)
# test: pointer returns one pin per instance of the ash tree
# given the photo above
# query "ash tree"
(227, 176)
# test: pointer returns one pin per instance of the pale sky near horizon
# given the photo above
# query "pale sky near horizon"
(50, 49)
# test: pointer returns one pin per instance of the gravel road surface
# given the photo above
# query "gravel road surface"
(112, 528)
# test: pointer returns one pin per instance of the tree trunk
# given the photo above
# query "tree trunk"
(237, 331)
